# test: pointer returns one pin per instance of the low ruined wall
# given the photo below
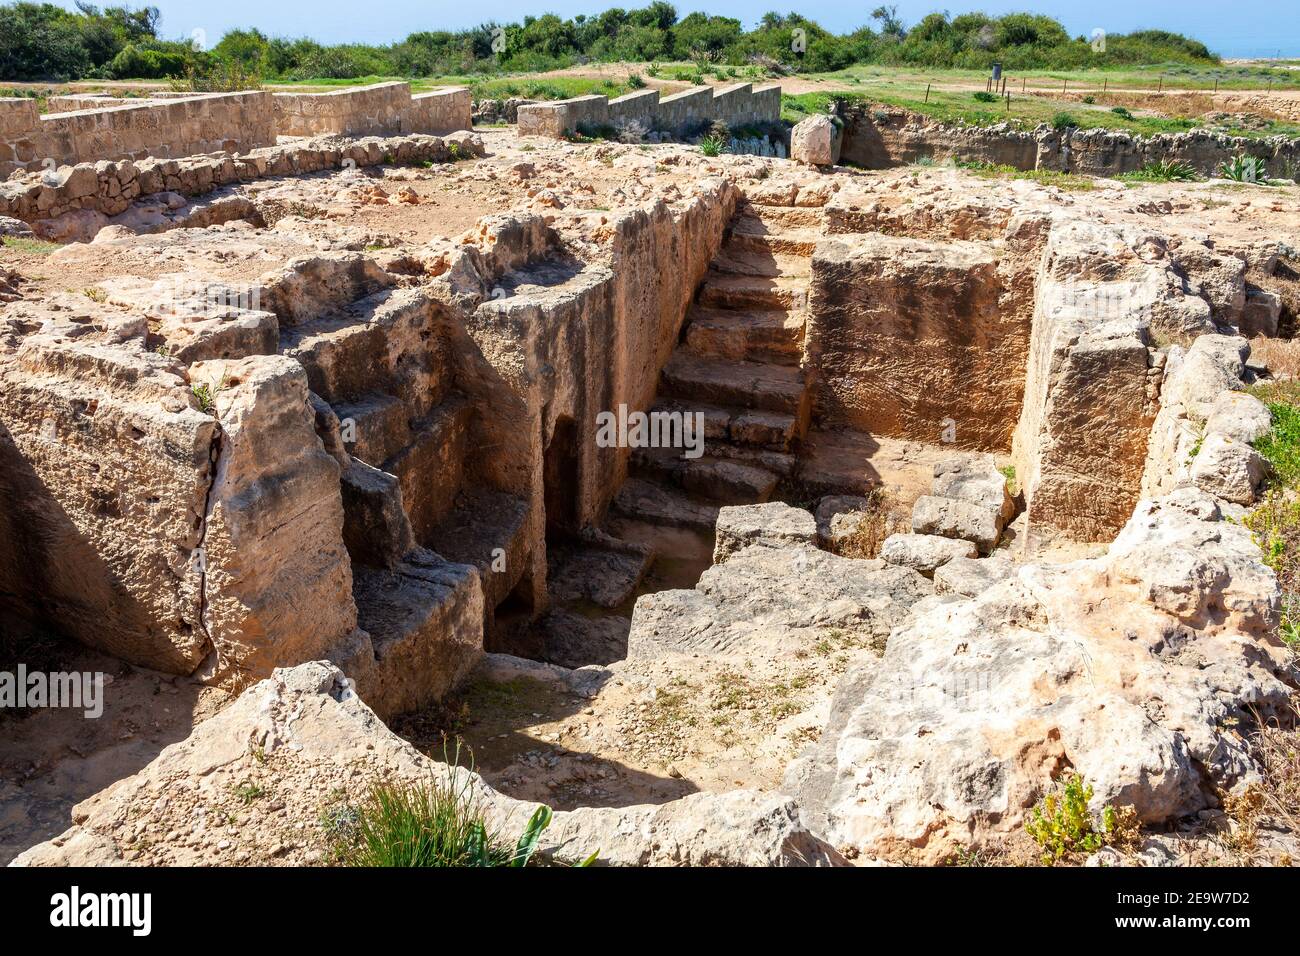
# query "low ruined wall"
(877, 137)
(367, 111)
(186, 126)
(382, 109)
(439, 111)
(172, 125)
(682, 114)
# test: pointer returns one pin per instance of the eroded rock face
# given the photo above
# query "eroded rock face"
(277, 576)
(979, 703)
(924, 552)
(1089, 362)
(107, 465)
(1203, 435)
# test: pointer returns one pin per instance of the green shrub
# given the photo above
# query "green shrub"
(984, 96)
(1064, 121)
(1245, 169)
(635, 81)
(1064, 827)
(1161, 171)
(1122, 112)
(1275, 524)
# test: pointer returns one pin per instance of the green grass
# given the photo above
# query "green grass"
(35, 246)
(1275, 523)
(1176, 77)
(1281, 446)
(437, 823)
(1044, 177)
(526, 85)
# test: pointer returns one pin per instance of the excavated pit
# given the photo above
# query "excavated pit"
(390, 461)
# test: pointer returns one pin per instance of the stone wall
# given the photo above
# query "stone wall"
(381, 109)
(170, 125)
(877, 137)
(439, 111)
(682, 114)
(182, 126)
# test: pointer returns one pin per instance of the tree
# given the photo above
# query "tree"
(890, 23)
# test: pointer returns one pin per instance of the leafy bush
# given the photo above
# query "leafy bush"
(1064, 827)
(984, 96)
(1245, 169)
(1064, 121)
(1161, 171)
(44, 41)
(1122, 112)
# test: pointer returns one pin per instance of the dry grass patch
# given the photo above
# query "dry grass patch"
(884, 516)
(1280, 356)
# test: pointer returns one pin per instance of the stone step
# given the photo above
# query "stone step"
(430, 467)
(780, 463)
(781, 218)
(772, 335)
(603, 576)
(488, 529)
(659, 504)
(424, 618)
(738, 258)
(376, 530)
(724, 291)
(773, 388)
(744, 427)
(339, 353)
(718, 479)
(378, 425)
(752, 234)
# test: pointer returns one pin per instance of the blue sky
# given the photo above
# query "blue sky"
(1229, 27)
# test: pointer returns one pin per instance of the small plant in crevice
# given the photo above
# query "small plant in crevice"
(1009, 473)
(1063, 826)
(248, 791)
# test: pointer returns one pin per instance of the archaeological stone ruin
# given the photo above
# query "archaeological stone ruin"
(743, 510)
